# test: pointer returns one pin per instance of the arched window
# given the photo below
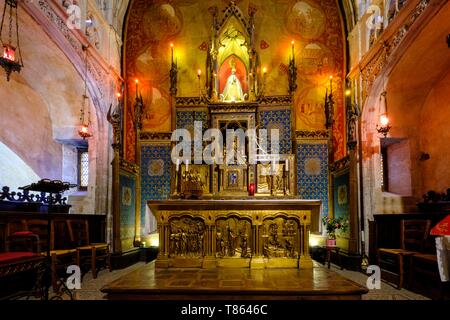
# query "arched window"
(83, 169)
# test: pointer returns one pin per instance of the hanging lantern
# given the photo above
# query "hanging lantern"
(84, 132)
(9, 60)
(84, 129)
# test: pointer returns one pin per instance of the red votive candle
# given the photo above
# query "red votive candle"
(251, 189)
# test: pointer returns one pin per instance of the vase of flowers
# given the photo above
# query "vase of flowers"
(333, 224)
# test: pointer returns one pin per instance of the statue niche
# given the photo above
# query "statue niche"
(233, 91)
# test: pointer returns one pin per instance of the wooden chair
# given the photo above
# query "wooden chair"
(424, 266)
(61, 257)
(91, 256)
(413, 234)
(19, 266)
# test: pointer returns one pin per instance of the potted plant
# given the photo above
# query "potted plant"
(332, 225)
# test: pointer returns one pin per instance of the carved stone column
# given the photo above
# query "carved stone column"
(305, 258)
(257, 261)
(209, 260)
(164, 240)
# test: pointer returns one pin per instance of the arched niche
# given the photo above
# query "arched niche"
(233, 52)
(225, 72)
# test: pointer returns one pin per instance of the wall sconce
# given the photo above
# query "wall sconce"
(383, 127)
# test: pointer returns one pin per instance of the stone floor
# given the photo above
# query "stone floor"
(90, 288)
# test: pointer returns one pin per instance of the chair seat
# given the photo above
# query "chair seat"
(426, 257)
(94, 246)
(8, 257)
(402, 252)
(23, 233)
(60, 252)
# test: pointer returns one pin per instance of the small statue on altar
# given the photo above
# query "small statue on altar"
(244, 246)
(233, 90)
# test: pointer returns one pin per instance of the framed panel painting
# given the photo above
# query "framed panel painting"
(341, 197)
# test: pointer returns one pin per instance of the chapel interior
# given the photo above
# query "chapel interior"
(223, 148)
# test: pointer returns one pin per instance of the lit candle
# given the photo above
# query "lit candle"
(331, 84)
(251, 189)
(286, 165)
(137, 87)
(199, 73)
(118, 96)
(187, 165)
(293, 51)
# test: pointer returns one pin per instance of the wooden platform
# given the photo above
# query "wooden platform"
(148, 283)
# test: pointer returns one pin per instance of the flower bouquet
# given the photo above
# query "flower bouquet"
(333, 224)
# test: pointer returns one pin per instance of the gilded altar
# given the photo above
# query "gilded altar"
(234, 233)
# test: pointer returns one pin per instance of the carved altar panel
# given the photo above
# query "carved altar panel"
(233, 237)
(281, 238)
(186, 237)
(234, 233)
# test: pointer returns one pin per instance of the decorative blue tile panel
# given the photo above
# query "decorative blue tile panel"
(185, 119)
(312, 169)
(127, 209)
(155, 178)
(278, 119)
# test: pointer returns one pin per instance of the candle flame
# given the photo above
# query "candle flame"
(137, 81)
(199, 72)
(118, 95)
(264, 70)
(292, 42)
(171, 45)
(348, 92)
